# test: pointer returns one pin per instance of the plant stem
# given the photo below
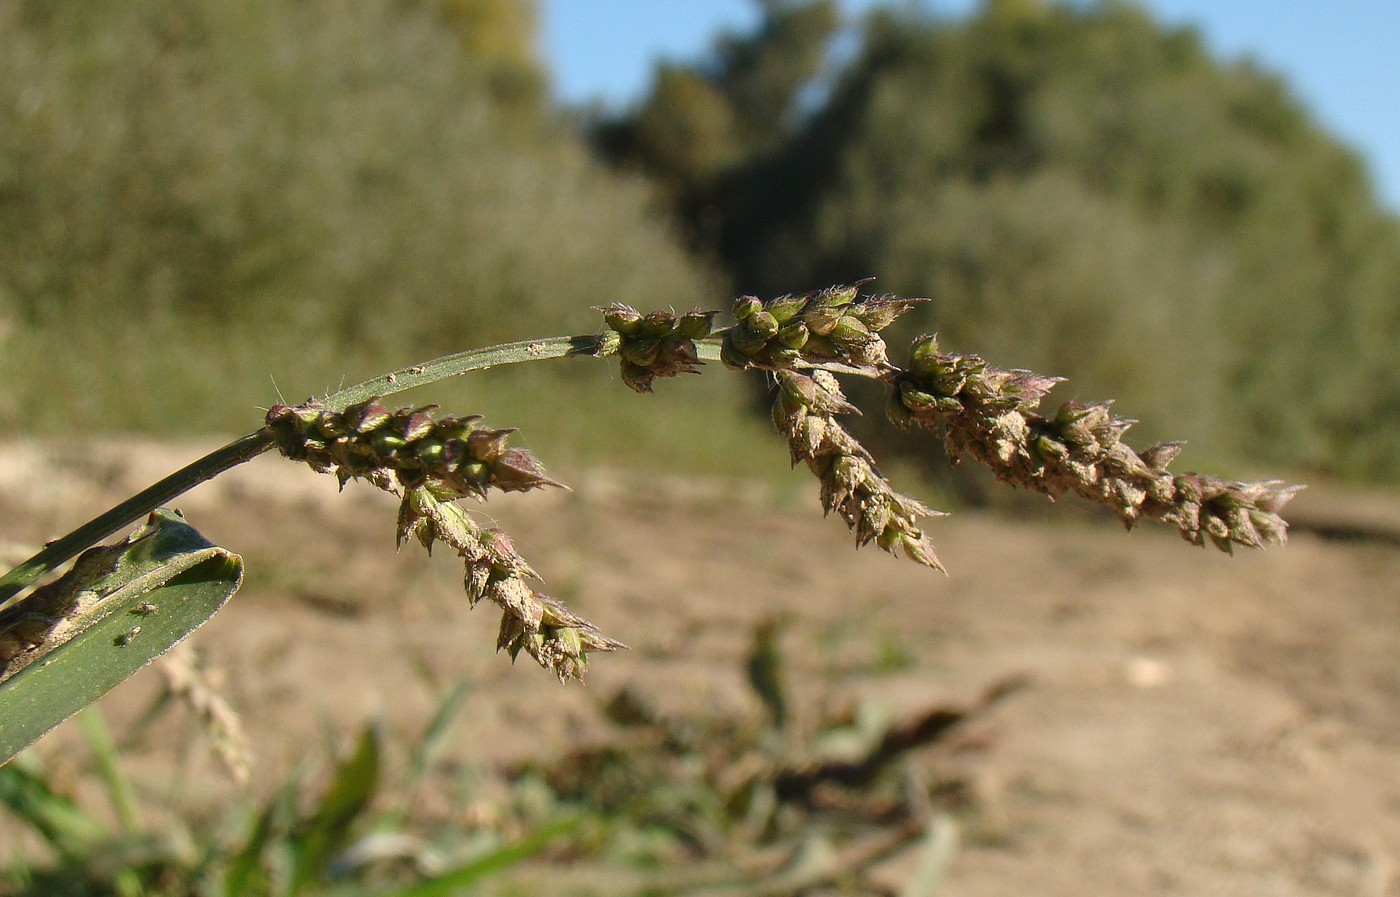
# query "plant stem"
(143, 502)
(249, 447)
(119, 789)
(709, 349)
(593, 345)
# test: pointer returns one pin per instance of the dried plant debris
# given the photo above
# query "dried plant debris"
(42, 618)
(725, 790)
(430, 463)
(48, 616)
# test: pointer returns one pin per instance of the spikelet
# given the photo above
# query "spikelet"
(657, 344)
(836, 324)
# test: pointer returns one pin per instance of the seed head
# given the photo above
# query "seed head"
(364, 440)
(430, 463)
(851, 486)
(494, 571)
(657, 344)
(831, 325)
(989, 414)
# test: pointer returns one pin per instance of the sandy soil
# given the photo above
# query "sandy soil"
(1195, 724)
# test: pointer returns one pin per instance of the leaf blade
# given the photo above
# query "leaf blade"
(176, 582)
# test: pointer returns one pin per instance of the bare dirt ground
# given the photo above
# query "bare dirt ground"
(1194, 724)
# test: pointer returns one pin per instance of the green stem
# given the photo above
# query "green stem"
(140, 504)
(595, 346)
(709, 349)
(249, 447)
(119, 789)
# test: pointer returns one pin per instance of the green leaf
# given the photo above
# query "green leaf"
(423, 753)
(246, 874)
(329, 828)
(109, 768)
(437, 731)
(121, 607)
(25, 792)
(502, 858)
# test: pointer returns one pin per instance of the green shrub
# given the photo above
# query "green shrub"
(211, 199)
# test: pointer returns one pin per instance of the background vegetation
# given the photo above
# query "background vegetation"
(1082, 191)
(194, 198)
(200, 200)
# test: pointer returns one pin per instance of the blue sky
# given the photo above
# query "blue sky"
(1342, 59)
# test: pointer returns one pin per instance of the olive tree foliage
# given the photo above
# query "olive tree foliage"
(1083, 189)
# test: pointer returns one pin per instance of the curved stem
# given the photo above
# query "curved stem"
(143, 502)
(237, 452)
(595, 346)
(248, 447)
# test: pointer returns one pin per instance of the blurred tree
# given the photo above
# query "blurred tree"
(500, 37)
(701, 122)
(301, 184)
(1080, 189)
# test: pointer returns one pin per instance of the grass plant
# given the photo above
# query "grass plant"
(65, 642)
(803, 341)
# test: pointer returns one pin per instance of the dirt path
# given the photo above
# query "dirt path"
(1194, 724)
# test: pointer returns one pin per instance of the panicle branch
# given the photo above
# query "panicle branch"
(805, 412)
(430, 463)
(984, 412)
(834, 325)
(366, 439)
(989, 414)
(532, 621)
